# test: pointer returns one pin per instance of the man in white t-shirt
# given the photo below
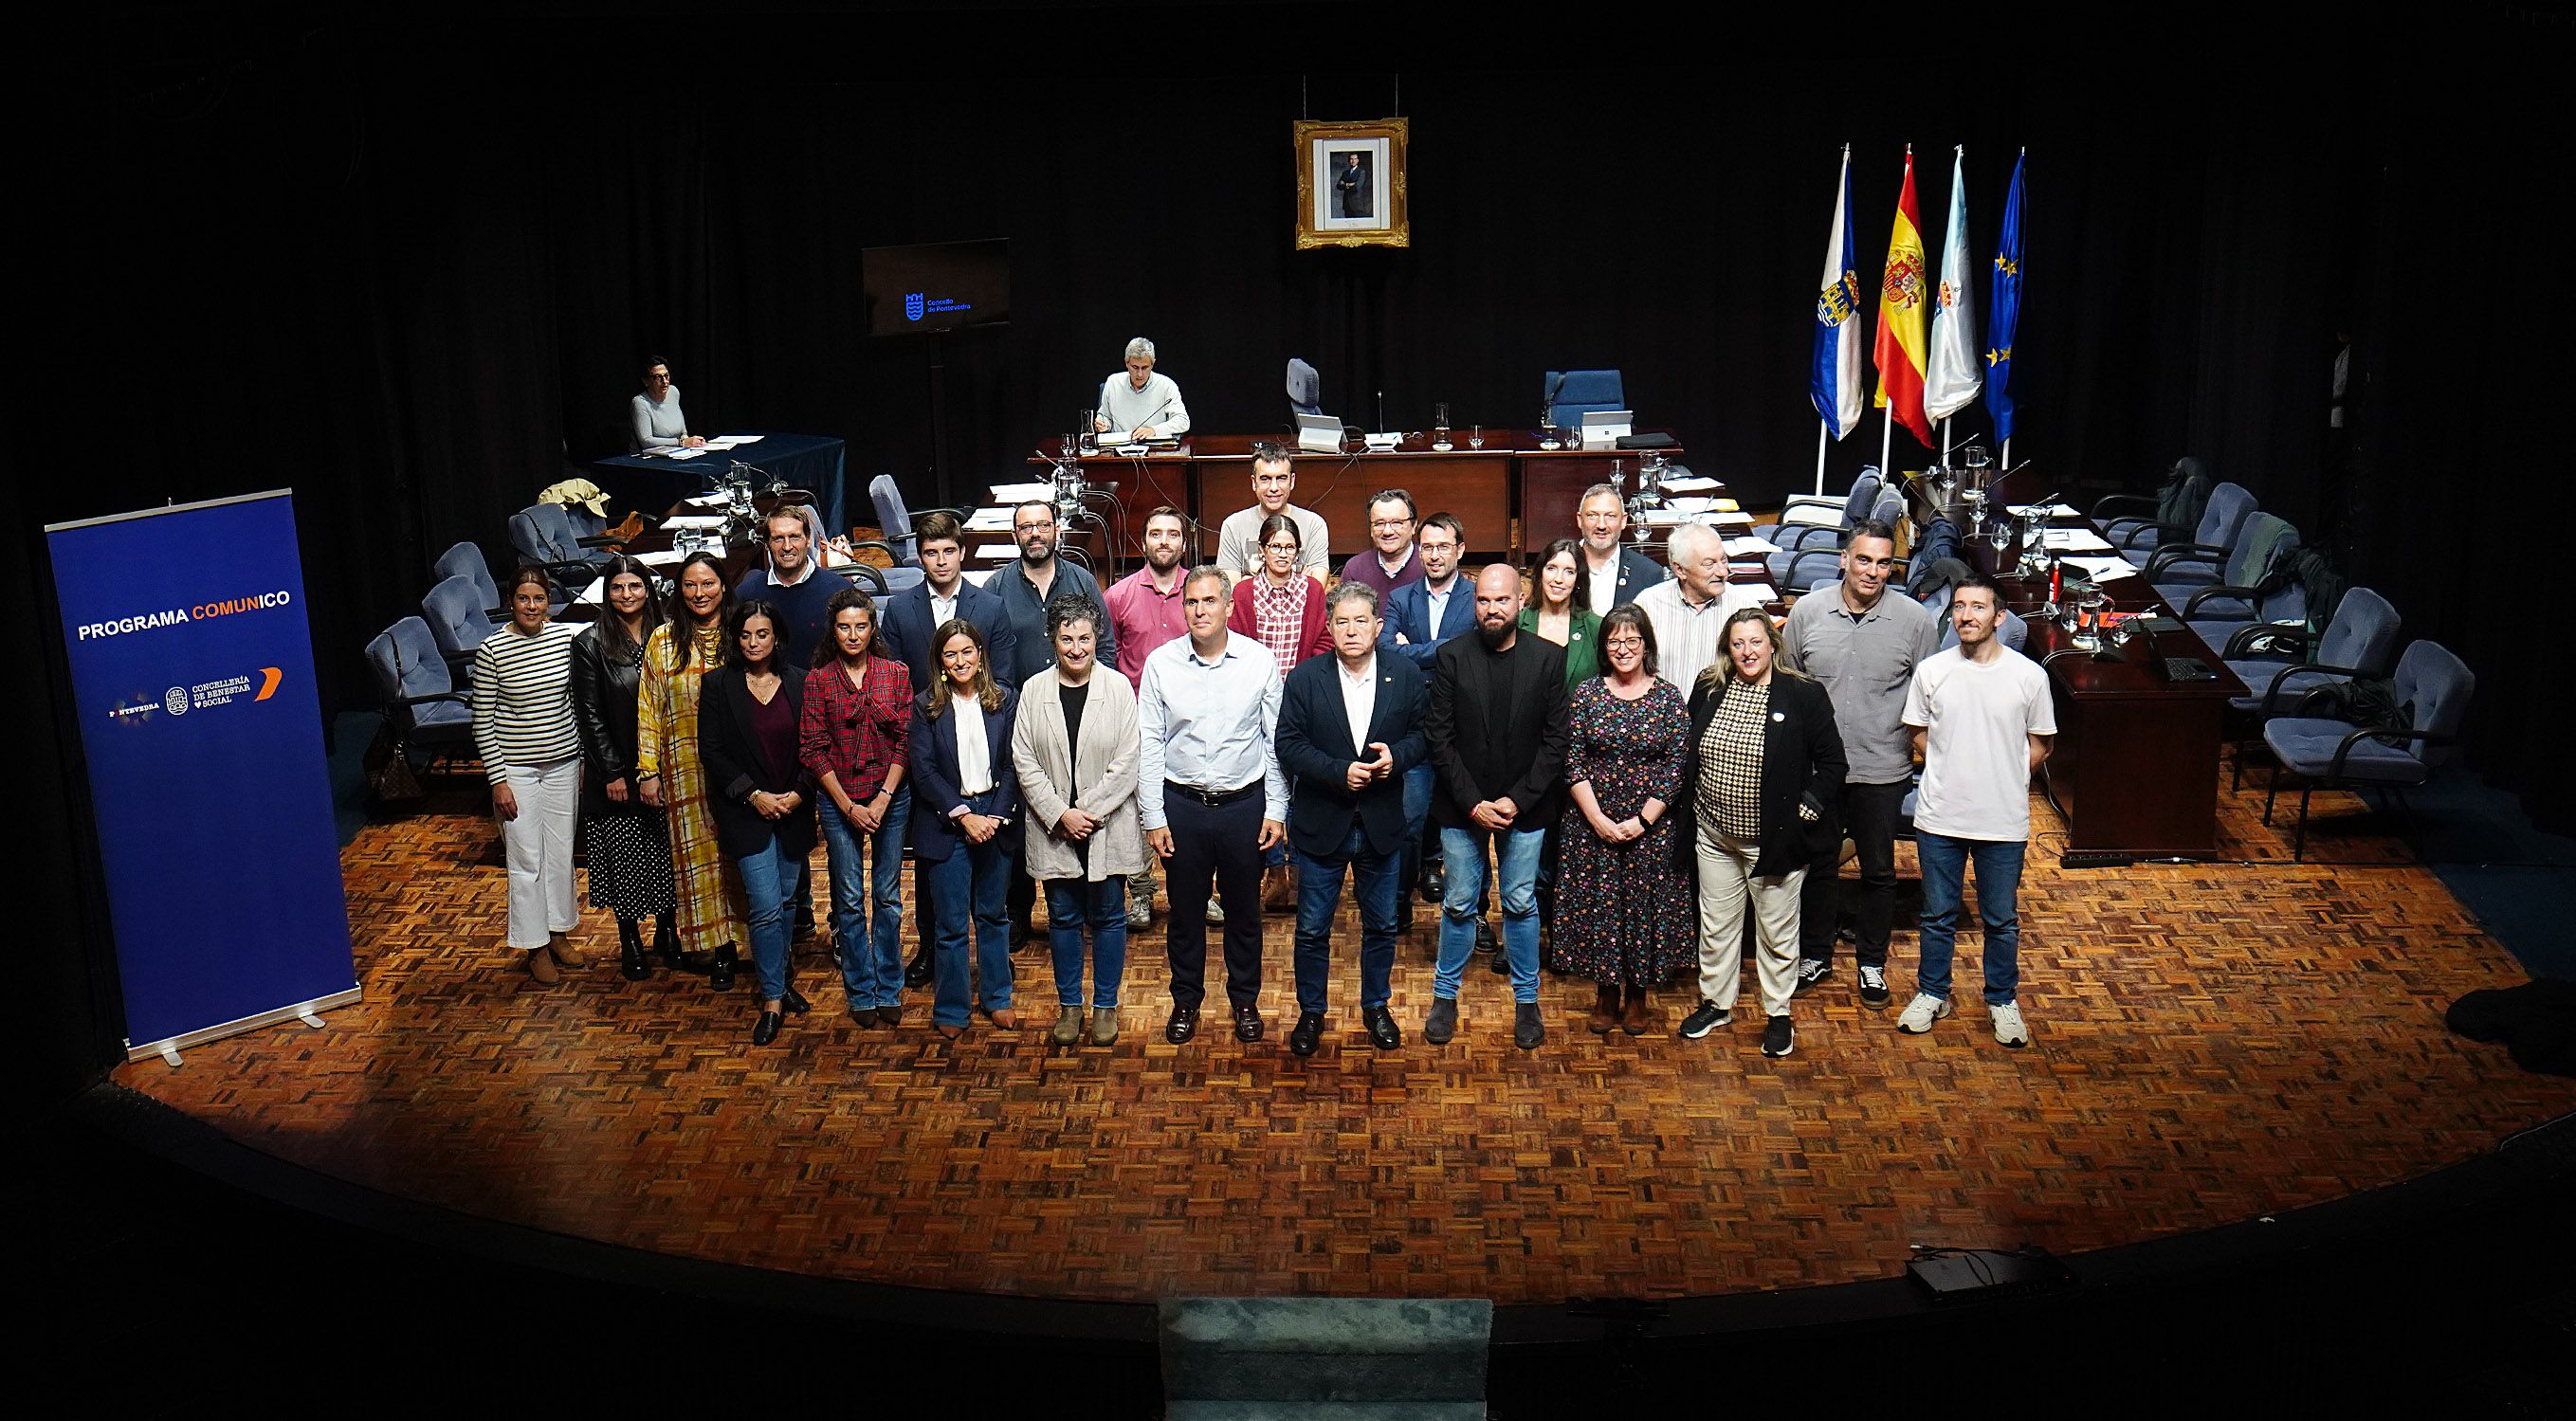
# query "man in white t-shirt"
(1982, 720)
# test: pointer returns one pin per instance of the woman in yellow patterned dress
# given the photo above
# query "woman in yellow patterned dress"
(670, 777)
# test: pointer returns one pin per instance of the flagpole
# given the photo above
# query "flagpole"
(1886, 437)
(2007, 453)
(1945, 441)
(1822, 430)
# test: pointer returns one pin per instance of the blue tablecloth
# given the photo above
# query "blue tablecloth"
(804, 460)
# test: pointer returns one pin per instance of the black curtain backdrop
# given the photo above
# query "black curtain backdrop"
(410, 267)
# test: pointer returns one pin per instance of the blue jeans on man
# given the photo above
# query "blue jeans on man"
(1377, 881)
(971, 887)
(867, 901)
(1077, 906)
(1417, 810)
(1517, 853)
(765, 881)
(1945, 865)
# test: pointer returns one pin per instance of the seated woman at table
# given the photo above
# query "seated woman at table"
(654, 418)
(669, 775)
(748, 718)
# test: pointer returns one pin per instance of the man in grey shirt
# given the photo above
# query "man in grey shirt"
(654, 420)
(1140, 404)
(1238, 538)
(1861, 642)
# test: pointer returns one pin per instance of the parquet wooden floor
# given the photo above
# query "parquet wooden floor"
(2212, 1043)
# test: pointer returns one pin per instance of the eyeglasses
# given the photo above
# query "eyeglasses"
(1280, 547)
(659, 378)
(1389, 525)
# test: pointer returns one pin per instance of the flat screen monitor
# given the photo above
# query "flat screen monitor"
(937, 286)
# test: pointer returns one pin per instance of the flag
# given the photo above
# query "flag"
(1999, 350)
(1833, 377)
(1899, 349)
(1955, 375)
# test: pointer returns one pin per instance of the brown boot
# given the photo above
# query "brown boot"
(560, 948)
(1279, 890)
(1634, 1020)
(541, 967)
(1605, 1010)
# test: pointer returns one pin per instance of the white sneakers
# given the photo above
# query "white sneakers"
(1920, 1013)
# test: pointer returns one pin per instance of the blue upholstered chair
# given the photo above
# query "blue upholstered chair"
(459, 621)
(545, 538)
(2133, 523)
(1305, 388)
(896, 518)
(2432, 686)
(2258, 540)
(2216, 613)
(2197, 562)
(2279, 665)
(1807, 517)
(1817, 557)
(1566, 396)
(431, 719)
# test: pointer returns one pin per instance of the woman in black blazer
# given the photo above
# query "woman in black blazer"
(963, 806)
(1761, 772)
(749, 711)
(623, 839)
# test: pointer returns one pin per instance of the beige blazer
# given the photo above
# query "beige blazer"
(1101, 771)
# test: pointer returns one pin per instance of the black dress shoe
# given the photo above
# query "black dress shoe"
(1435, 882)
(1247, 1023)
(794, 1001)
(1307, 1034)
(720, 970)
(1486, 941)
(1527, 1031)
(1021, 936)
(1183, 1025)
(765, 1030)
(1382, 1030)
(666, 945)
(917, 972)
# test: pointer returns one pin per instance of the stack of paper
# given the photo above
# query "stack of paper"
(990, 520)
(2098, 569)
(2075, 540)
(680, 521)
(1751, 545)
(2054, 510)
(662, 558)
(1021, 493)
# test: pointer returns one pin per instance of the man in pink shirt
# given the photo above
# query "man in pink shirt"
(1145, 612)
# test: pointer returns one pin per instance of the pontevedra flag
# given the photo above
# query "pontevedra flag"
(1899, 349)
(1833, 377)
(2007, 288)
(1955, 375)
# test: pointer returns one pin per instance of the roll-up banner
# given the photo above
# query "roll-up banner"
(192, 675)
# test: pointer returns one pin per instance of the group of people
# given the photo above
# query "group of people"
(1637, 759)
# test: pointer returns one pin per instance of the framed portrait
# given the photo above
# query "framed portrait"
(1350, 184)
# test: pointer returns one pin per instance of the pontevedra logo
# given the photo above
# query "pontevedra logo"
(912, 305)
(140, 708)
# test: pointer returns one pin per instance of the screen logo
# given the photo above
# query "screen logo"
(912, 305)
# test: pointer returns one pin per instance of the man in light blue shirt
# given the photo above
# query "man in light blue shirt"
(1211, 796)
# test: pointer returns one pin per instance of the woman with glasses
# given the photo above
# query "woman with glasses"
(623, 839)
(964, 796)
(531, 749)
(653, 418)
(856, 732)
(671, 778)
(1624, 902)
(1282, 608)
(749, 714)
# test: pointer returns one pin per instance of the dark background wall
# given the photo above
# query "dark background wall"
(408, 263)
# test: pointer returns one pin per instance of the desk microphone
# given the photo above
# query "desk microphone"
(1381, 411)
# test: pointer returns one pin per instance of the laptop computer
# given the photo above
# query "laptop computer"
(2170, 668)
(1319, 434)
(1602, 428)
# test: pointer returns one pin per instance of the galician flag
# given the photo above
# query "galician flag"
(1901, 289)
(1956, 372)
(2007, 288)
(1833, 376)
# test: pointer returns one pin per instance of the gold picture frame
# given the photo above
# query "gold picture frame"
(1351, 184)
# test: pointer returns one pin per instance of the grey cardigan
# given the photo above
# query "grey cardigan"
(1101, 772)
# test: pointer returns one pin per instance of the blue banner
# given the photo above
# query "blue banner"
(192, 675)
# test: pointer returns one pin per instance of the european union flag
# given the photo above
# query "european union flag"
(2007, 310)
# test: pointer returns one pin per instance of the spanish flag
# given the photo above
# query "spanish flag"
(1898, 351)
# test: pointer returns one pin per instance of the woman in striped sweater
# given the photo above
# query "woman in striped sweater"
(523, 727)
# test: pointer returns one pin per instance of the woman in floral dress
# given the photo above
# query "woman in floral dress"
(1625, 911)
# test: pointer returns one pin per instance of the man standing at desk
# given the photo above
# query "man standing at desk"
(1617, 572)
(1145, 612)
(1025, 587)
(1862, 646)
(1983, 722)
(1140, 404)
(654, 418)
(1390, 561)
(1238, 539)
(1689, 612)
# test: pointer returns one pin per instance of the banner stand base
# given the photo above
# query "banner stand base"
(310, 1013)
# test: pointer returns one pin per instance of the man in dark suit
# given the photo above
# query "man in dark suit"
(1352, 195)
(1618, 571)
(1497, 736)
(1350, 726)
(1419, 616)
(908, 628)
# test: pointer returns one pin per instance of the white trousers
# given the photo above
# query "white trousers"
(1725, 881)
(538, 845)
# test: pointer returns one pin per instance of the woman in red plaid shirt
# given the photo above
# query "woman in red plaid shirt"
(858, 718)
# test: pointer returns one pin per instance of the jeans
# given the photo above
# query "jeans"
(1417, 808)
(1869, 820)
(765, 880)
(970, 886)
(1945, 865)
(1517, 851)
(1073, 905)
(1378, 883)
(867, 902)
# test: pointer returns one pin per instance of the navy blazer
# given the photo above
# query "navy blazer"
(1315, 753)
(906, 628)
(1637, 572)
(935, 776)
(736, 767)
(1408, 610)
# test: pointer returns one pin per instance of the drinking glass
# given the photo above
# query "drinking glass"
(1440, 425)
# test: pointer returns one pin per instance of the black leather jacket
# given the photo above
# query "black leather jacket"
(603, 708)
